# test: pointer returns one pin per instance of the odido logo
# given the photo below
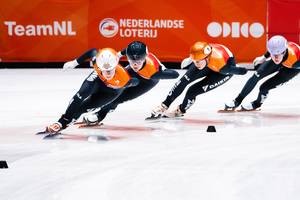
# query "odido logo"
(236, 29)
(108, 27)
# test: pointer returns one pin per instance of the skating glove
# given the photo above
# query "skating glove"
(186, 62)
(70, 65)
(259, 60)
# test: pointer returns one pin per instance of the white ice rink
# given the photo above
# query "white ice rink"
(252, 156)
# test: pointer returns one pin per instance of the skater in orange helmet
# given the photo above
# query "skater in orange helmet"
(213, 63)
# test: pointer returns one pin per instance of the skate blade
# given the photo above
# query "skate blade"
(53, 136)
(172, 117)
(42, 132)
(245, 110)
(78, 123)
(84, 125)
(152, 117)
(227, 111)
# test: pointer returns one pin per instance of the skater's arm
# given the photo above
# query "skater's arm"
(132, 82)
(90, 54)
(231, 68)
(122, 53)
(296, 65)
(165, 74)
(87, 55)
(267, 54)
(186, 63)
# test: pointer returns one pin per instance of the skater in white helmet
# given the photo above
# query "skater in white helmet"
(102, 86)
(282, 57)
(144, 66)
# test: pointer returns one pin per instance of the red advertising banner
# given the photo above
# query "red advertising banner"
(60, 30)
(170, 27)
(284, 19)
(43, 30)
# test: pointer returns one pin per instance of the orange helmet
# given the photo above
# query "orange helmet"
(200, 50)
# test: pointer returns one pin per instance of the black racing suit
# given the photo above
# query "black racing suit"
(93, 93)
(282, 76)
(133, 92)
(210, 81)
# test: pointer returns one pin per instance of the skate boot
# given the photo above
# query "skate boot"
(231, 106)
(158, 111)
(174, 113)
(91, 119)
(250, 107)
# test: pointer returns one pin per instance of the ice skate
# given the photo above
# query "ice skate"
(158, 112)
(249, 107)
(230, 107)
(90, 119)
(174, 113)
(57, 135)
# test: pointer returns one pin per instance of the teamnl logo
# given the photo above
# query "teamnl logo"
(108, 27)
(235, 29)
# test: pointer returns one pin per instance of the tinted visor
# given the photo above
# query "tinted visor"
(136, 57)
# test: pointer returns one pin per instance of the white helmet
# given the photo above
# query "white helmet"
(277, 45)
(107, 59)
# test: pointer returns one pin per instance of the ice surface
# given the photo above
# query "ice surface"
(251, 156)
